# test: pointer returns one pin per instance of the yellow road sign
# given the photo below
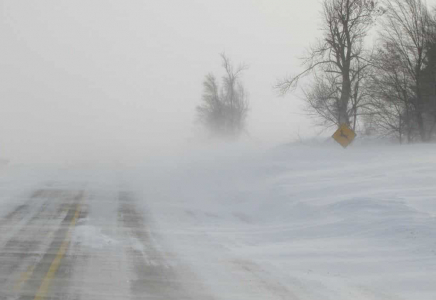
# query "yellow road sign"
(344, 135)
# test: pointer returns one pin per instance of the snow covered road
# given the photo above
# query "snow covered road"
(295, 223)
(67, 241)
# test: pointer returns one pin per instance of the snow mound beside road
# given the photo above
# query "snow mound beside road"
(320, 220)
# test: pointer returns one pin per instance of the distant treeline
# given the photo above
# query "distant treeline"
(388, 88)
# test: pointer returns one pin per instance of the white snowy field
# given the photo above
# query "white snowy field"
(312, 222)
(296, 222)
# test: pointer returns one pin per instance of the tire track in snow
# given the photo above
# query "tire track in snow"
(155, 278)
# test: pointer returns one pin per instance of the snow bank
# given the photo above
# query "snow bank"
(318, 221)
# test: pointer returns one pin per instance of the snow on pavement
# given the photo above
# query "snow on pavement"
(296, 222)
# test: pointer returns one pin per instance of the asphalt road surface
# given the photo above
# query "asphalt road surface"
(73, 243)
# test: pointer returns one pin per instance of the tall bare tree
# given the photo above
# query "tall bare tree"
(338, 60)
(390, 103)
(224, 108)
(323, 98)
(428, 87)
(406, 37)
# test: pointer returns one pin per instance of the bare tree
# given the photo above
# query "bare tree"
(338, 59)
(407, 34)
(428, 85)
(323, 98)
(392, 96)
(211, 112)
(224, 108)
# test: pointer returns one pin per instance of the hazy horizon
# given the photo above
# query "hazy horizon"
(115, 76)
(92, 78)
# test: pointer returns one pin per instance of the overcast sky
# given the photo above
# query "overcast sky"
(93, 76)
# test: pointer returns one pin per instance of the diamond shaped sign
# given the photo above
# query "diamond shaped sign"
(344, 135)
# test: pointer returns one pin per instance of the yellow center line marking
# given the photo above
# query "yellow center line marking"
(46, 282)
(26, 275)
(23, 278)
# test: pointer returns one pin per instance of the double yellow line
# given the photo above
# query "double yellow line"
(51, 273)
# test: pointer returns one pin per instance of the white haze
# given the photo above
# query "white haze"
(107, 79)
(99, 86)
